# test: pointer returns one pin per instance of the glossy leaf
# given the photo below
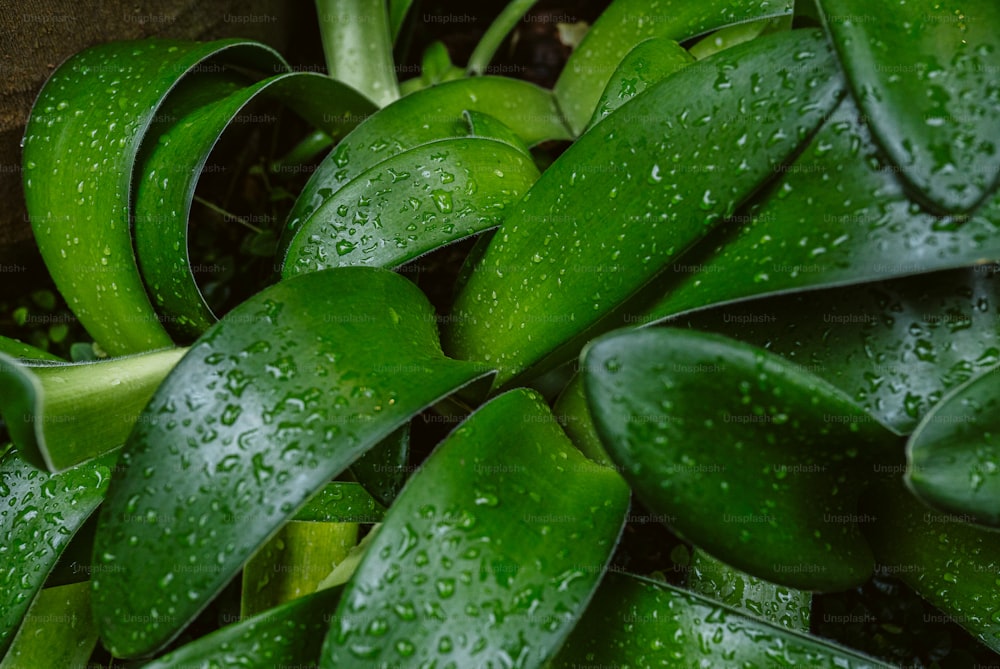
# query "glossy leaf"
(286, 636)
(626, 23)
(398, 10)
(643, 66)
(954, 455)
(340, 502)
(725, 38)
(950, 563)
(170, 173)
(40, 514)
(643, 624)
(676, 409)
(58, 630)
(895, 347)
(273, 401)
(17, 349)
(482, 560)
(382, 469)
(837, 216)
(631, 195)
(62, 414)
(525, 108)
(410, 204)
(80, 147)
(293, 563)
(357, 44)
(574, 415)
(925, 76)
(781, 606)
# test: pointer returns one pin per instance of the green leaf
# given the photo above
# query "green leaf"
(643, 624)
(398, 9)
(925, 77)
(170, 173)
(676, 409)
(340, 502)
(481, 561)
(836, 216)
(358, 46)
(571, 408)
(410, 204)
(286, 636)
(16, 349)
(896, 347)
(954, 455)
(525, 108)
(494, 36)
(626, 23)
(62, 414)
(643, 66)
(293, 563)
(951, 564)
(382, 470)
(781, 606)
(41, 512)
(633, 193)
(58, 630)
(80, 148)
(273, 401)
(725, 38)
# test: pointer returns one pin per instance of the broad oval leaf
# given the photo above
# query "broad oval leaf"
(896, 347)
(526, 109)
(269, 404)
(954, 454)
(836, 216)
(289, 635)
(170, 172)
(950, 563)
(80, 148)
(925, 76)
(40, 514)
(626, 23)
(62, 414)
(491, 552)
(644, 624)
(579, 243)
(676, 409)
(412, 203)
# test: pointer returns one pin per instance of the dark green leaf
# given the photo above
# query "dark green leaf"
(58, 630)
(274, 400)
(491, 552)
(287, 636)
(17, 349)
(626, 23)
(340, 502)
(749, 457)
(643, 66)
(382, 470)
(894, 346)
(39, 516)
(631, 195)
(170, 173)
(643, 624)
(80, 147)
(837, 215)
(925, 76)
(954, 454)
(410, 204)
(785, 607)
(953, 565)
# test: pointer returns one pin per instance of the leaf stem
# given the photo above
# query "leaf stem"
(226, 215)
(358, 46)
(496, 34)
